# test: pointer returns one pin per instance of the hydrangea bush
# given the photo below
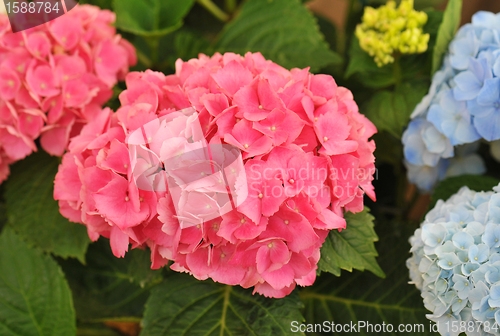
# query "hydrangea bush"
(307, 157)
(55, 78)
(460, 109)
(455, 262)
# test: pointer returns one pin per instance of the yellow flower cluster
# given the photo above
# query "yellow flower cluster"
(388, 30)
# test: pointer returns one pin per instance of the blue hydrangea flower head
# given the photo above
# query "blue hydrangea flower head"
(463, 105)
(455, 261)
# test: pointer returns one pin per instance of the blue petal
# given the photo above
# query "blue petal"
(437, 116)
(463, 49)
(468, 86)
(462, 240)
(465, 132)
(489, 125)
(495, 292)
(496, 67)
(490, 93)
(486, 19)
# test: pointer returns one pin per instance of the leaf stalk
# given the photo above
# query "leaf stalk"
(214, 10)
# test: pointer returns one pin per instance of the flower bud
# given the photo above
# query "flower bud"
(391, 30)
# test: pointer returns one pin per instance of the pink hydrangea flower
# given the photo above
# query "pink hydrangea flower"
(305, 149)
(54, 78)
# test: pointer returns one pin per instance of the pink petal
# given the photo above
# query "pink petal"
(330, 221)
(113, 201)
(232, 77)
(307, 280)
(42, 81)
(117, 158)
(55, 139)
(76, 93)
(67, 31)
(323, 86)
(9, 83)
(257, 100)
(31, 124)
(15, 145)
(109, 60)
(71, 67)
(215, 103)
(38, 44)
(294, 228)
(199, 264)
(268, 291)
(332, 129)
(280, 278)
(67, 182)
(119, 242)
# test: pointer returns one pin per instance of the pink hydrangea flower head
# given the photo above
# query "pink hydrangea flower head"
(234, 168)
(54, 77)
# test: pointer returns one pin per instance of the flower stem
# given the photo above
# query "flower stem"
(153, 43)
(230, 6)
(216, 11)
(398, 76)
(143, 59)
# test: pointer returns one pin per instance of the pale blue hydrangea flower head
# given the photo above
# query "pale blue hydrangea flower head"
(463, 105)
(455, 261)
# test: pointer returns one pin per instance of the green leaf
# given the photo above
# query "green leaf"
(434, 20)
(423, 4)
(108, 287)
(351, 248)
(34, 214)
(183, 305)
(150, 17)
(34, 296)
(3, 216)
(282, 30)
(370, 75)
(361, 296)
(189, 44)
(451, 185)
(390, 110)
(447, 30)
(184, 44)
